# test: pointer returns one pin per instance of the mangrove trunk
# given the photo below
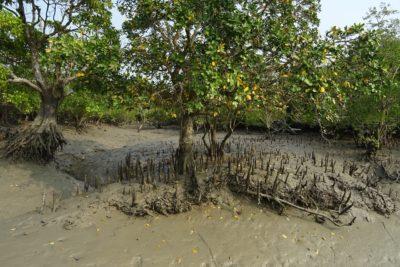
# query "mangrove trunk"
(184, 154)
(40, 140)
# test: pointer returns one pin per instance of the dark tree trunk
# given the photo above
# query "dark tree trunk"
(214, 148)
(41, 139)
(47, 113)
(184, 154)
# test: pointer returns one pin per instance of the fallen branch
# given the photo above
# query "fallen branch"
(282, 201)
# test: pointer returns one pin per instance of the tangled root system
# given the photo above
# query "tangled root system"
(36, 143)
(146, 200)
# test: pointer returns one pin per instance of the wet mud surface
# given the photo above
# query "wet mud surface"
(46, 219)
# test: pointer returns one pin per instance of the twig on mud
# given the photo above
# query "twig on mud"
(334, 254)
(43, 202)
(209, 248)
(389, 234)
(282, 201)
(56, 199)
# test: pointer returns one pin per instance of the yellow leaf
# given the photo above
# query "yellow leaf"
(80, 74)
(246, 89)
(239, 81)
(221, 48)
(322, 90)
(346, 84)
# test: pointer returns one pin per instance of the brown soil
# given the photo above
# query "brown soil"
(85, 230)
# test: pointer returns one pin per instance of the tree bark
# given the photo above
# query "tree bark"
(215, 149)
(184, 154)
(47, 113)
(213, 141)
(212, 146)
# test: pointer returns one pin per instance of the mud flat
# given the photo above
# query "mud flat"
(46, 219)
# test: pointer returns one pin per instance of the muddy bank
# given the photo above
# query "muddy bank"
(23, 185)
(84, 230)
(96, 152)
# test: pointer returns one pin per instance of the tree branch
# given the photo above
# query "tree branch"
(72, 78)
(9, 10)
(15, 79)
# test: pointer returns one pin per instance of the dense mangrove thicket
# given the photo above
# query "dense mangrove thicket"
(214, 65)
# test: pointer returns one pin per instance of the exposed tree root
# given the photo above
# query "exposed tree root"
(7, 132)
(319, 215)
(138, 200)
(383, 173)
(303, 200)
(36, 143)
(318, 188)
